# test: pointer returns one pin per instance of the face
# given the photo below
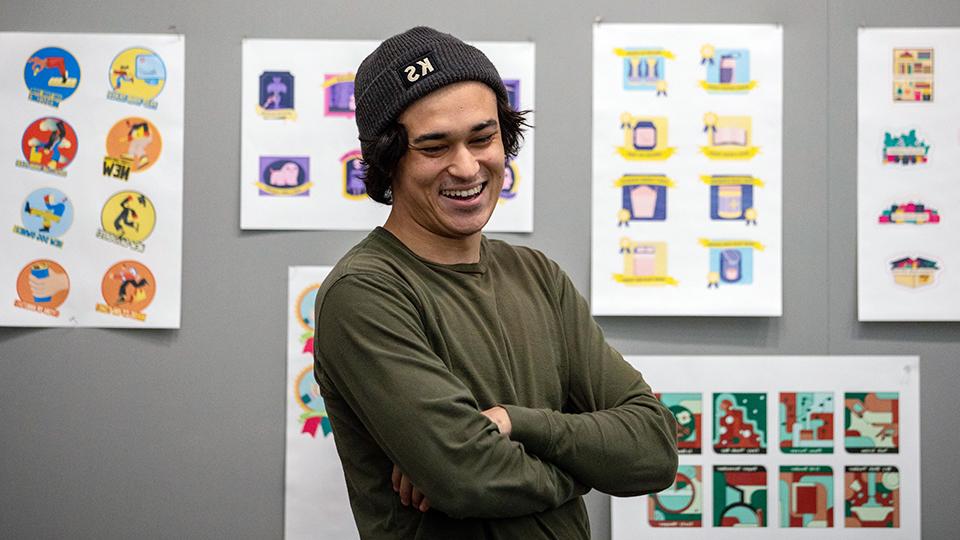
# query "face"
(448, 182)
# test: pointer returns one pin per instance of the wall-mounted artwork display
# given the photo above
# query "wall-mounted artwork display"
(315, 501)
(908, 152)
(792, 449)
(93, 184)
(301, 166)
(687, 177)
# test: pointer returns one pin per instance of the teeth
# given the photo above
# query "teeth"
(464, 194)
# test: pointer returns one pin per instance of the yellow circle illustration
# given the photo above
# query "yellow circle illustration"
(129, 215)
(139, 73)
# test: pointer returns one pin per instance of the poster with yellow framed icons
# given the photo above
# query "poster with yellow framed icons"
(93, 179)
(687, 179)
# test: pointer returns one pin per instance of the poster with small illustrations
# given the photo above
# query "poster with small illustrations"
(791, 449)
(687, 173)
(301, 166)
(315, 493)
(92, 151)
(908, 152)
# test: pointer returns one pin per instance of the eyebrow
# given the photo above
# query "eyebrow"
(438, 135)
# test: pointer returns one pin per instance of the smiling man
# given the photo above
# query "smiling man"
(470, 392)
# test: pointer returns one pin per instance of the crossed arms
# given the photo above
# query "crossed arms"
(614, 436)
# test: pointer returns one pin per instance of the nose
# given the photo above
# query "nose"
(463, 164)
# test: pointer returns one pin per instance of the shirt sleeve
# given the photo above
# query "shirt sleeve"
(372, 347)
(615, 435)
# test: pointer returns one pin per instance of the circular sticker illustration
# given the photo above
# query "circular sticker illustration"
(44, 283)
(128, 285)
(52, 75)
(130, 215)
(47, 211)
(308, 393)
(49, 142)
(304, 311)
(305, 302)
(135, 142)
(138, 73)
(314, 418)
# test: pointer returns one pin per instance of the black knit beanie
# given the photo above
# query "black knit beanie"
(408, 66)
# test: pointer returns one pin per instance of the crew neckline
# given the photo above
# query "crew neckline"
(472, 268)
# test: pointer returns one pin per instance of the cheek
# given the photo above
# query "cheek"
(494, 159)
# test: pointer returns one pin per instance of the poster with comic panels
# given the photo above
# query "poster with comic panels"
(301, 164)
(91, 146)
(791, 443)
(908, 152)
(315, 501)
(687, 174)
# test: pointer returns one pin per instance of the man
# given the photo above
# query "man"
(470, 392)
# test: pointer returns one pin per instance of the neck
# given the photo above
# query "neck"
(432, 247)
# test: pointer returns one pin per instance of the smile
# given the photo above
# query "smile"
(465, 194)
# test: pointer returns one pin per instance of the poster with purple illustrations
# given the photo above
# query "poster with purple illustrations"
(301, 166)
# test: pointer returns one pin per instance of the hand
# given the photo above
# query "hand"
(49, 286)
(499, 416)
(408, 493)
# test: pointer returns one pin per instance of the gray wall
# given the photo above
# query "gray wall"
(116, 434)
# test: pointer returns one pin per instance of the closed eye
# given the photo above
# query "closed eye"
(432, 150)
(481, 141)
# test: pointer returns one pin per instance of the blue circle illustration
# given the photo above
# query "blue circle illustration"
(51, 74)
(47, 211)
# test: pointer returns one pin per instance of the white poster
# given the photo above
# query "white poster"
(316, 503)
(687, 178)
(300, 155)
(93, 179)
(772, 446)
(908, 152)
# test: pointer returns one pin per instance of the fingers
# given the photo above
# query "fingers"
(409, 495)
(59, 281)
(40, 287)
(406, 489)
(416, 497)
(499, 416)
(419, 500)
(395, 479)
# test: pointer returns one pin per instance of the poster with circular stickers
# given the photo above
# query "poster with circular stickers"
(93, 128)
(313, 471)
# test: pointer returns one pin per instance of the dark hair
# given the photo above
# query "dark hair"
(381, 155)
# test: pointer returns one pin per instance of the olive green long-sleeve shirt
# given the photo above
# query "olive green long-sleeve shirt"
(408, 353)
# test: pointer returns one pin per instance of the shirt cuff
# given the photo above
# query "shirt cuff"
(532, 428)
